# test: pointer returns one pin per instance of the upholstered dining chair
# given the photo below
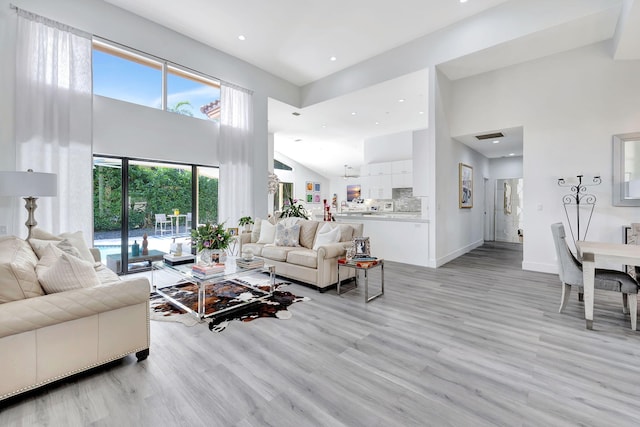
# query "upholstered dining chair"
(161, 224)
(570, 272)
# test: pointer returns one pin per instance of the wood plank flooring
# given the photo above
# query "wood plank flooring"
(477, 342)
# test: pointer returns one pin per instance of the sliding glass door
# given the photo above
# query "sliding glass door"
(142, 207)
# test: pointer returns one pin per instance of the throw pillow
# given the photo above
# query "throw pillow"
(76, 239)
(267, 232)
(63, 245)
(287, 236)
(17, 270)
(255, 231)
(332, 236)
(288, 222)
(64, 272)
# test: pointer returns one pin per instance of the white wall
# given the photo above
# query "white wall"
(299, 176)
(105, 20)
(569, 105)
(457, 230)
(388, 148)
(124, 129)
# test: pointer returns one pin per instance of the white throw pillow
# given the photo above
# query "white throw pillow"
(267, 232)
(63, 245)
(326, 238)
(64, 272)
(287, 236)
(76, 239)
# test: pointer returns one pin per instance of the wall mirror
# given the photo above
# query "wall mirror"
(626, 169)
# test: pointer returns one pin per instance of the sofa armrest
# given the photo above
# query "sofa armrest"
(38, 312)
(332, 250)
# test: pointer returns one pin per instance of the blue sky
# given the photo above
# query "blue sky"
(125, 80)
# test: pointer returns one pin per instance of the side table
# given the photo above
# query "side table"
(366, 266)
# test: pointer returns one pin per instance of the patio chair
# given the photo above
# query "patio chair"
(188, 221)
(161, 224)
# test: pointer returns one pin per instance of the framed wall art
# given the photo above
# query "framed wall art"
(465, 193)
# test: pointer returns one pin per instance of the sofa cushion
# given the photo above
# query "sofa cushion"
(303, 257)
(326, 237)
(106, 276)
(76, 239)
(307, 232)
(277, 253)
(267, 232)
(18, 278)
(59, 273)
(287, 235)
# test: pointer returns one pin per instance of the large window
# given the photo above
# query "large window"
(134, 198)
(142, 79)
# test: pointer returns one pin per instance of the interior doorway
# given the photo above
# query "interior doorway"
(508, 210)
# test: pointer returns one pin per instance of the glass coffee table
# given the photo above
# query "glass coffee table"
(223, 293)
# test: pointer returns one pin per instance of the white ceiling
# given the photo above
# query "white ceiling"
(294, 39)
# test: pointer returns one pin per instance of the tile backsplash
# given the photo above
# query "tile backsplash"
(403, 200)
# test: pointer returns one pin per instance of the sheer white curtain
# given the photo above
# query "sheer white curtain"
(54, 119)
(235, 192)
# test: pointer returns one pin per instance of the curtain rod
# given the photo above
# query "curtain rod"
(49, 22)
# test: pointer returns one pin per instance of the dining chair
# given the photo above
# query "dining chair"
(161, 224)
(570, 272)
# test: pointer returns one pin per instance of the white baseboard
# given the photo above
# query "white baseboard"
(540, 267)
(455, 254)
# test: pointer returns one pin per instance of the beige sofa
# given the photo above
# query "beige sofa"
(46, 337)
(317, 268)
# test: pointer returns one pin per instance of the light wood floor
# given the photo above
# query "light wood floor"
(477, 342)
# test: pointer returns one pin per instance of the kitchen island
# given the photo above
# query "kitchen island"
(394, 236)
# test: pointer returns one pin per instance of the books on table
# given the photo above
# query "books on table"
(172, 259)
(206, 271)
(360, 262)
(252, 263)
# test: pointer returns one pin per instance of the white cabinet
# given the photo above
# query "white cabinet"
(378, 179)
(402, 167)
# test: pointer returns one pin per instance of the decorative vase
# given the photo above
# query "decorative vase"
(247, 228)
(205, 256)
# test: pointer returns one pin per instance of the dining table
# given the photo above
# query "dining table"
(594, 253)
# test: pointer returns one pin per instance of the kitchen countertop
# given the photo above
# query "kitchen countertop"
(382, 216)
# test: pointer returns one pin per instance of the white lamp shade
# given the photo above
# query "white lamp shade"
(28, 184)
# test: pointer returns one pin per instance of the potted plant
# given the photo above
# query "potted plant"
(211, 242)
(294, 208)
(246, 222)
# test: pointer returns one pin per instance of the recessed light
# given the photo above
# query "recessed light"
(401, 100)
(353, 113)
(377, 123)
(333, 58)
(324, 125)
(463, 1)
(512, 154)
(496, 142)
(421, 112)
(241, 37)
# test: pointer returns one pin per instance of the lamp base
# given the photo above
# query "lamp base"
(30, 205)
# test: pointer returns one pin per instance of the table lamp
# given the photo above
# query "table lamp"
(29, 184)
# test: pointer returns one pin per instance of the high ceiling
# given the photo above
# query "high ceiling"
(296, 39)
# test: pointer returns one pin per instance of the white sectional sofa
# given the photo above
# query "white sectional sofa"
(316, 267)
(46, 337)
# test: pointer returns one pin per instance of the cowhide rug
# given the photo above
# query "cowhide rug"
(220, 296)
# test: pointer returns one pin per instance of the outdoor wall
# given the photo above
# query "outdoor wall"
(107, 21)
(569, 105)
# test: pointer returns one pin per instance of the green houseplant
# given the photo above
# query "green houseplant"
(294, 208)
(210, 240)
(246, 222)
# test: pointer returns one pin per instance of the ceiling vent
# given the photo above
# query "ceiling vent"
(295, 113)
(490, 136)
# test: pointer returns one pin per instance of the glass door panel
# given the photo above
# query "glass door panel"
(107, 210)
(208, 195)
(159, 206)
